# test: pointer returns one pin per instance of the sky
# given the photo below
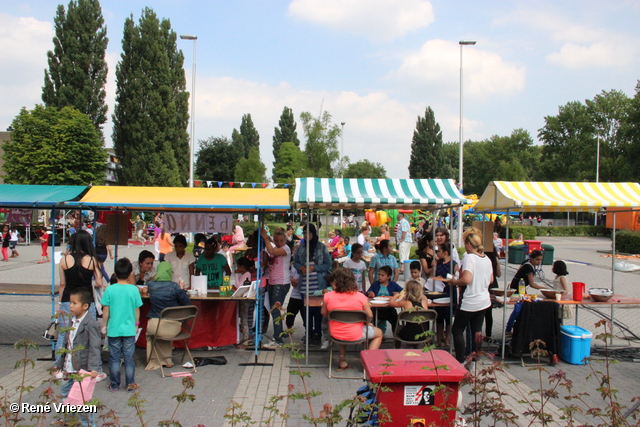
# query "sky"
(375, 65)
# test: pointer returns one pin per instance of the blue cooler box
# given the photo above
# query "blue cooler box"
(575, 344)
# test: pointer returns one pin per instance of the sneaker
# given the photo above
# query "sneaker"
(325, 345)
(101, 377)
(112, 389)
(273, 344)
(315, 341)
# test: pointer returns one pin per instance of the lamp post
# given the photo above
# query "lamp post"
(193, 106)
(595, 221)
(461, 154)
(341, 166)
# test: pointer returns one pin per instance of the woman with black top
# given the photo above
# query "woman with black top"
(426, 255)
(527, 272)
(76, 271)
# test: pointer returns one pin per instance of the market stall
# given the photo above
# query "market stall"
(559, 197)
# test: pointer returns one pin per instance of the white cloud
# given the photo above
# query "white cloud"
(24, 43)
(374, 19)
(436, 66)
(581, 46)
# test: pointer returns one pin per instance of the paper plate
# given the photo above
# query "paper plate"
(378, 302)
(442, 300)
(381, 298)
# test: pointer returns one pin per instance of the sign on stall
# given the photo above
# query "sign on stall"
(175, 222)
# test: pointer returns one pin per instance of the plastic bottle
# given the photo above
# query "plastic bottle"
(522, 288)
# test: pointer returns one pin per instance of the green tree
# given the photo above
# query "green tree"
(249, 137)
(632, 133)
(365, 169)
(151, 114)
(568, 138)
(285, 132)
(217, 160)
(77, 71)
(321, 148)
(54, 146)
(609, 112)
(291, 163)
(427, 158)
(251, 168)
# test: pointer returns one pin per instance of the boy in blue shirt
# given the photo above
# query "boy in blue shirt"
(384, 286)
(120, 319)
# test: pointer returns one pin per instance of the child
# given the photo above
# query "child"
(120, 319)
(338, 252)
(295, 305)
(413, 299)
(445, 265)
(357, 266)
(347, 247)
(368, 248)
(13, 242)
(83, 342)
(44, 245)
(560, 284)
(243, 277)
(279, 280)
(212, 264)
(416, 272)
(384, 286)
(4, 239)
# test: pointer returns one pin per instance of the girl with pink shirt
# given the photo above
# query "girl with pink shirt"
(279, 279)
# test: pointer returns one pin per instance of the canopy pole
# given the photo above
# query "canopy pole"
(259, 302)
(613, 271)
(307, 322)
(504, 274)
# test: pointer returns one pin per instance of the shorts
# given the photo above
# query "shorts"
(12, 244)
(367, 332)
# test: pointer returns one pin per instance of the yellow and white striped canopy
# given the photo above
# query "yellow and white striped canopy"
(558, 196)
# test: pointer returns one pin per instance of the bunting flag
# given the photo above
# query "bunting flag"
(264, 185)
(219, 183)
(231, 184)
(286, 185)
(253, 185)
(208, 183)
(197, 181)
(242, 184)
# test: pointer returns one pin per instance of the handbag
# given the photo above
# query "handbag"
(51, 333)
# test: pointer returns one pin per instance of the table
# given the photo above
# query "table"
(216, 324)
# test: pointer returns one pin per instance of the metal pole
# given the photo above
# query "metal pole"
(613, 268)
(341, 166)
(504, 274)
(595, 220)
(461, 150)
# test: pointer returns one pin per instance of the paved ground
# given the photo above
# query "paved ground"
(217, 386)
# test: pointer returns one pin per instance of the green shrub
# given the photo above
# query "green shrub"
(531, 232)
(528, 232)
(628, 242)
(248, 229)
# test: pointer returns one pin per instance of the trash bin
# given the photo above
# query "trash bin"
(575, 344)
(532, 245)
(516, 254)
(547, 257)
(407, 270)
(411, 381)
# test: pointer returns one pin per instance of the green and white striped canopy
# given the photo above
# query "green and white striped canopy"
(377, 193)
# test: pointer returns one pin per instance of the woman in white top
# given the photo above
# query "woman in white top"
(477, 275)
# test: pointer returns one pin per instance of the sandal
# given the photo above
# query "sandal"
(340, 367)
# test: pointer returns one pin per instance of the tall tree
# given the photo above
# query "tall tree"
(321, 148)
(609, 112)
(427, 158)
(568, 138)
(151, 114)
(285, 132)
(249, 137)
(251, 168)
(291, 163)
(217, 160)
(77, 68)
(365, 169)
(632, 132)
(54, 146)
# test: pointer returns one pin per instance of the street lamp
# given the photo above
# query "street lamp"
(193, 106)
(595, 221)
(341, 165)
(460, 160)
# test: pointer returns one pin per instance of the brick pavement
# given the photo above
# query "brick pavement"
(216, 386)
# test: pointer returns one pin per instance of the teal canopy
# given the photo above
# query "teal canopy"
(377, 193)
(38, 196)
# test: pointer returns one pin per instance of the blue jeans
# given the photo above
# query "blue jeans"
(64, 391)
(122, 348)
(64, 321)
(277, 294)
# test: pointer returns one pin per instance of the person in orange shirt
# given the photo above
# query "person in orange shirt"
(166, 244)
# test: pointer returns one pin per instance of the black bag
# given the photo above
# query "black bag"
(51, 333)
(216, 360)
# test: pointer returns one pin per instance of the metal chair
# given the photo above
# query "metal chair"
(186, 315)
(415, 317)
(346, 316)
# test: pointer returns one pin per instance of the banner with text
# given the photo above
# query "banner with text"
(198, 223)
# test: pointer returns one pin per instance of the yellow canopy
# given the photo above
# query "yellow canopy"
(558, 196)
(185, 199)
